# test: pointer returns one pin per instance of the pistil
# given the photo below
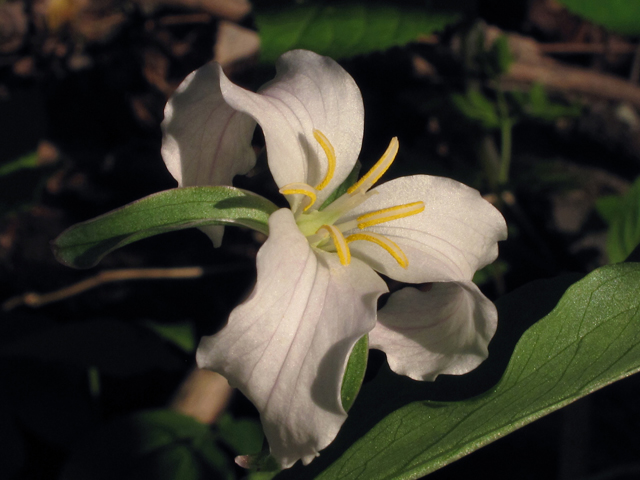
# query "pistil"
(344, 254)
(319, 226)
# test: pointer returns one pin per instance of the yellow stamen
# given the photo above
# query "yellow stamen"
(381, 166)
(300, 189)
(388, 214)
(344, 254)
(393, 249)
(330, 152)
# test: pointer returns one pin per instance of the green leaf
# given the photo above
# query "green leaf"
(344, 29)
(354, 373)
(591, 339)
(25, 162)
(622, 16)
(476, 106)
(181, 334)
(243, 435)
(501, 55)
(536, 104)
(608, 207)
(158, 444)
(490, 272)
(22, 182)
(623, 216)
(85, 244)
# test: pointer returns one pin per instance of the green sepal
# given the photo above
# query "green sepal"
(85, 244)
(354, 373)
(351, 179)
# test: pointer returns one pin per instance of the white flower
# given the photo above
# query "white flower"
(287, 345)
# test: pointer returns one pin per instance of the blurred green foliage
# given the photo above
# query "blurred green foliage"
(22, 182)
(621, 16)
(157, 444)
(243, 435)
(622, 213)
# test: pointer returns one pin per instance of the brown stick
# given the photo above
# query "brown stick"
(586, 48)
(565, 78)
(233, 10)
(35, 300)
(203, 395)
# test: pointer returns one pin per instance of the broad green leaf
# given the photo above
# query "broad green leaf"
(591, 339)
(158, 444)
(608, 207)
(354, 374)
(85, 244)
(623, 215)
(622, 16)
(342, 30)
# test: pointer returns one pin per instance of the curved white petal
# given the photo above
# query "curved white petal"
(443, 330)
(455, 235)
(309, 92)
(205, 141)
(286, 347)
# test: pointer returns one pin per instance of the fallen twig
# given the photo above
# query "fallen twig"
(574, 79)
(531, 64)
(572, 48)
(35, 300)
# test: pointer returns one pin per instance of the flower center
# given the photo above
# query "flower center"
(322, 227)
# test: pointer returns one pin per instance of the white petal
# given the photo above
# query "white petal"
(309, 92)
(454, 236)
(444, 330)
(286, 347)
(205, 141)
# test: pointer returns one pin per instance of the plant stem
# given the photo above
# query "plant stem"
(506, 126)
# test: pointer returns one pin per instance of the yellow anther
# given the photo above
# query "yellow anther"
(300, 189)
(388, 214)
(330, 152)
(344, 254)
(391, 247)
(381, 166)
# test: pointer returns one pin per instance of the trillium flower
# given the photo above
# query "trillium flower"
(286, 347)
